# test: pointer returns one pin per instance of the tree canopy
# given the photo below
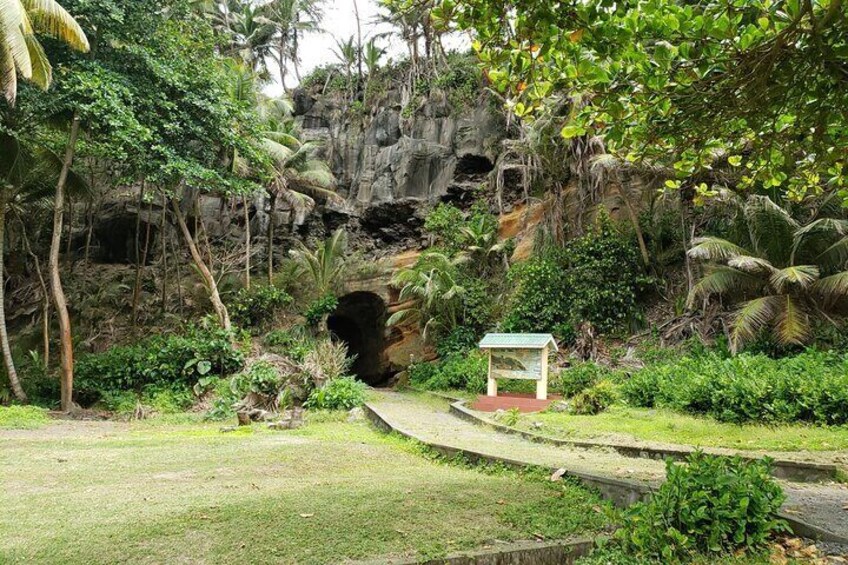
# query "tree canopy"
(756, 85)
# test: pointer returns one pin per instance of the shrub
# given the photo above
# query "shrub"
(811, 387)
(327, 361)
(161, 360)
(343, 393)
(455, 371)
(294, 345)
(257, 306)
(594, 399)
(595, 279)
(709, 505)
(320, 308)
(161, 399)
(23, 417)
(579, 377)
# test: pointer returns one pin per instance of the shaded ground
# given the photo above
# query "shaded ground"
(427, 417)
(106, 492)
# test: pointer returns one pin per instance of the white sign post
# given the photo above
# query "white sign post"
(518, 356)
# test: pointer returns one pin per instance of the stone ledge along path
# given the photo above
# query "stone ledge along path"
(428, 419)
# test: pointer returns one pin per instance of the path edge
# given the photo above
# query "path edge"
(622, 493)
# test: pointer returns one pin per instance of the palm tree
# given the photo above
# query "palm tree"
(244, 32)
(432, 294)
(481, 244)
(20, 51)
(325, 265)
(290, 19)
(298, 174)
(784, 275)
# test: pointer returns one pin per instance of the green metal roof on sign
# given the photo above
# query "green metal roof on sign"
(517, 341)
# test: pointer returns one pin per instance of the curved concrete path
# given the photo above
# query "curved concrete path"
(428, 419)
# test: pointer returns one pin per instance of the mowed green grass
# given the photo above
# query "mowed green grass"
(665, 426)
(330, 492)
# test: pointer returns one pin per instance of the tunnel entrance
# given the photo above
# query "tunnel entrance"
(360, 321)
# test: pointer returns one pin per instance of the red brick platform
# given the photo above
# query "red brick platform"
(508, 400)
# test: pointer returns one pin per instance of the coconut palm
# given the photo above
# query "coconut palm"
(291, 20)
(325, 264)
(243, 31)
(783, 277)
(299, 176)
(20, 51)
(432, 292)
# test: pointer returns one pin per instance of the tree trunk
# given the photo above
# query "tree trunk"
(163, 236)
(137, 285)
(17, 389)
(65, 337)
(272, 204)
(634, 219)
(214, 296)
(45, 306)
(246, 243)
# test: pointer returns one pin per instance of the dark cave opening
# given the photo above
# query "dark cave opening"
(117, 239)
(474, 165)
(360, 321)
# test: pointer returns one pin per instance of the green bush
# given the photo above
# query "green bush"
(343, 393)
(456, 371)
(296, 346)
(161, 360)
(811, 387)
(169, 399)
(709, 505)
(594, 399)
(257, 306)
(23, 417)
(579, 377)
(595, 278)
(320, 308)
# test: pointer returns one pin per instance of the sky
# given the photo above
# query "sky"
(340, 21)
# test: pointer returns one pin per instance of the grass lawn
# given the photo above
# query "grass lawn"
(621, 423)
(105, 492)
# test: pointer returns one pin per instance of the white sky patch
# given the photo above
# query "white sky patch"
(316, 49)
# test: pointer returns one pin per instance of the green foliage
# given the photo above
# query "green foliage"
(784, 275)
(23, 417)
(160, 398)
(461, 340)
(294, 345)
(321, 308)
(594, 399)
(444, 223)
(260, 378)
(709, 505)
(810, 387)
(579, 377)
(646, 74)
(161, 360)
(343, 393)
(456, 371)
(594, 279)
(258, 305)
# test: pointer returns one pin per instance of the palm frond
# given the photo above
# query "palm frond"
(721, 280)
(771, 229)
(714, 249)
(750, 264)
(801, 275)
(833, 287)
(49, 17)
(793, 322)
(753, 316)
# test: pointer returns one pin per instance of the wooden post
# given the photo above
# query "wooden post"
(542, 383)
(493, 384)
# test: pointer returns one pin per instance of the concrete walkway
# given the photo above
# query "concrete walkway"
(428, 419)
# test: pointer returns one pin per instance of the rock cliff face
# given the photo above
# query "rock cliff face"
(393, 164)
